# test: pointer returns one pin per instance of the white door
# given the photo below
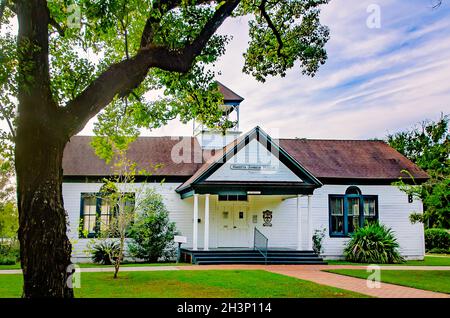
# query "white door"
(233, 226)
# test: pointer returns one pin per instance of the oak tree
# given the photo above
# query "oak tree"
(73, 59)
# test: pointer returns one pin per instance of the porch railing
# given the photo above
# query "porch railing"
(260, 243)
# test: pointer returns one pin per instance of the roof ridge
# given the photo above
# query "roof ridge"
(184, 136)
(341, 140)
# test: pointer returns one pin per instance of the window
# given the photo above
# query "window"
(97, 211)
(350, 211)
(352, 214)
(370, 209)
(89, 211)
(232, 197)
(337, 215)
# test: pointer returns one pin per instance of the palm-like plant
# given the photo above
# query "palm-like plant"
(373, 243)
(105, 252)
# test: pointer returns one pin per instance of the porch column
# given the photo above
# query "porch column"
(206, 239)
(309, 224)
(195, 232)
(299, 224)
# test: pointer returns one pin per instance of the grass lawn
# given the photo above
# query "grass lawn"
(438, 281)
(430, 260)
(90, 265)
(189, 284)
(15, 266)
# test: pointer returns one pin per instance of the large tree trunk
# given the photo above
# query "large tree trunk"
(40, 140)
(44, 246)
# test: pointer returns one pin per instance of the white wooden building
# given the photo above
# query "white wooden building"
(219, 189)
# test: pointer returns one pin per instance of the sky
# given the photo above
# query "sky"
(378, 79)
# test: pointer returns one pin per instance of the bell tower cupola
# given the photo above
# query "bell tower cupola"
(213, 138)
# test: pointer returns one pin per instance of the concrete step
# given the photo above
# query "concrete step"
(254, 257)
(261, 262)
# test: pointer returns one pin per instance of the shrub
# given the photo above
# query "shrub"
(7, 260)
(317, 239)
(152, 232)
(439, 251)
(373, 243)
(9, 249)
(437, 241)
(102, 253)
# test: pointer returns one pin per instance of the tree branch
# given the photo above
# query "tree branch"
(262, 8)
(35, 96)
(121, 78)
(2, 8)
(163, 6)
(11, 127)
(57, 26)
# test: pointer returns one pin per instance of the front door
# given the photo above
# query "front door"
(233, 226)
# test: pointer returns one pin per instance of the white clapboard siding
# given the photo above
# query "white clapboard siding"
(180, 211)
(254, 153)
(394, 211)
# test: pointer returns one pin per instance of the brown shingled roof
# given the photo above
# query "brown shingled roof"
(351, 159)
(80, 159)
(325, 159)
(228, 94)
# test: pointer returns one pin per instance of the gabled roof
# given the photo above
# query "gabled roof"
(351, 159)
(327, 160)
(80, 159)
(228, 95)
(223, 155)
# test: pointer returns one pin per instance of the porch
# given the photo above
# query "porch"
(228, 223)
(251, 229)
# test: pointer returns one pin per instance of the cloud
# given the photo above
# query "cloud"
(375, 81)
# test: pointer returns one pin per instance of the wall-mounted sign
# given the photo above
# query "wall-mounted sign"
(180, 239)
(253, 167)
(267, 217)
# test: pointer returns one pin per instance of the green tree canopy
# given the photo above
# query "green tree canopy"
(115, 52)
(428, 146)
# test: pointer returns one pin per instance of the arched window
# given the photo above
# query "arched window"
(351, 210)
(353, 190)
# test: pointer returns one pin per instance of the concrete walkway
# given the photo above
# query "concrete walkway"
(313, 273)
(111, 269)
